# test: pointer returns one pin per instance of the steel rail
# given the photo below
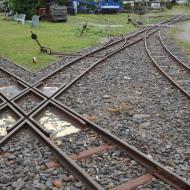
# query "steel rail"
(172, 55)
(38, 82)
(15, 108)
(65, 160)
(105, 45)
(39, 92)
(160, 174)
(76, 79)
(35, 90)
(154, 167)
(33, 86)
(23, 93)
(162, 71)
(66, 87)
(88, 54)
(10, 100)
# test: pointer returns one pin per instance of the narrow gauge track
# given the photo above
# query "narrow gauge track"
(153, 29)
(51, 91)
(70, 71)
(152, 168)
(177, 72)
(128, 42)
(69, 59)
(128, 153)
(27, 98)
(39, 84)
(27, 164)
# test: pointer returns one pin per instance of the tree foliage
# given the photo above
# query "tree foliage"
(28, 7)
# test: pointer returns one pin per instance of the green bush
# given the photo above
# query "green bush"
(28, 7)
(168, 5)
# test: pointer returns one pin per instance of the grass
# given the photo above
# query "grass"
(18, 47)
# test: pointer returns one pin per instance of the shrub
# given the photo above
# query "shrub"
(168, 5)
(28, 7)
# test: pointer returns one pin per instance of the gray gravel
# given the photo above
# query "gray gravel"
(29, 102)
(112, 168)
(155, 185)
(76, 143)
(24, 167)
(129, 97)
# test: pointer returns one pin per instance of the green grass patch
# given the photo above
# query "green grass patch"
(18, 47)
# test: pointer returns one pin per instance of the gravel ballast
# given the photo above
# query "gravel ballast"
(129, 97)
(24, 166)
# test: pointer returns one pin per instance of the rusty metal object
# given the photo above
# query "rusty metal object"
(154, 167)
(88, 153)
(186, 93)
(173, 56)
(65, 161)
(134, 183)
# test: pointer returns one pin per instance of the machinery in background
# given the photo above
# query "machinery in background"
(57, 13)
(102, 6)
(53, 12)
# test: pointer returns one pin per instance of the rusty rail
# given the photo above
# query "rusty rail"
(153, 167)
(156, 64)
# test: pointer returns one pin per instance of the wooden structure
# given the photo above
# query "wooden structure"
(53, 13)
(57, 13)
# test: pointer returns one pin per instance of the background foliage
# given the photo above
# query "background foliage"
(29, 7)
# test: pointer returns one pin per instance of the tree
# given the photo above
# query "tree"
(28, 7)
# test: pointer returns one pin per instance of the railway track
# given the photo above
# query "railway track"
(169, 65)
(84, 64)
(38, 112)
